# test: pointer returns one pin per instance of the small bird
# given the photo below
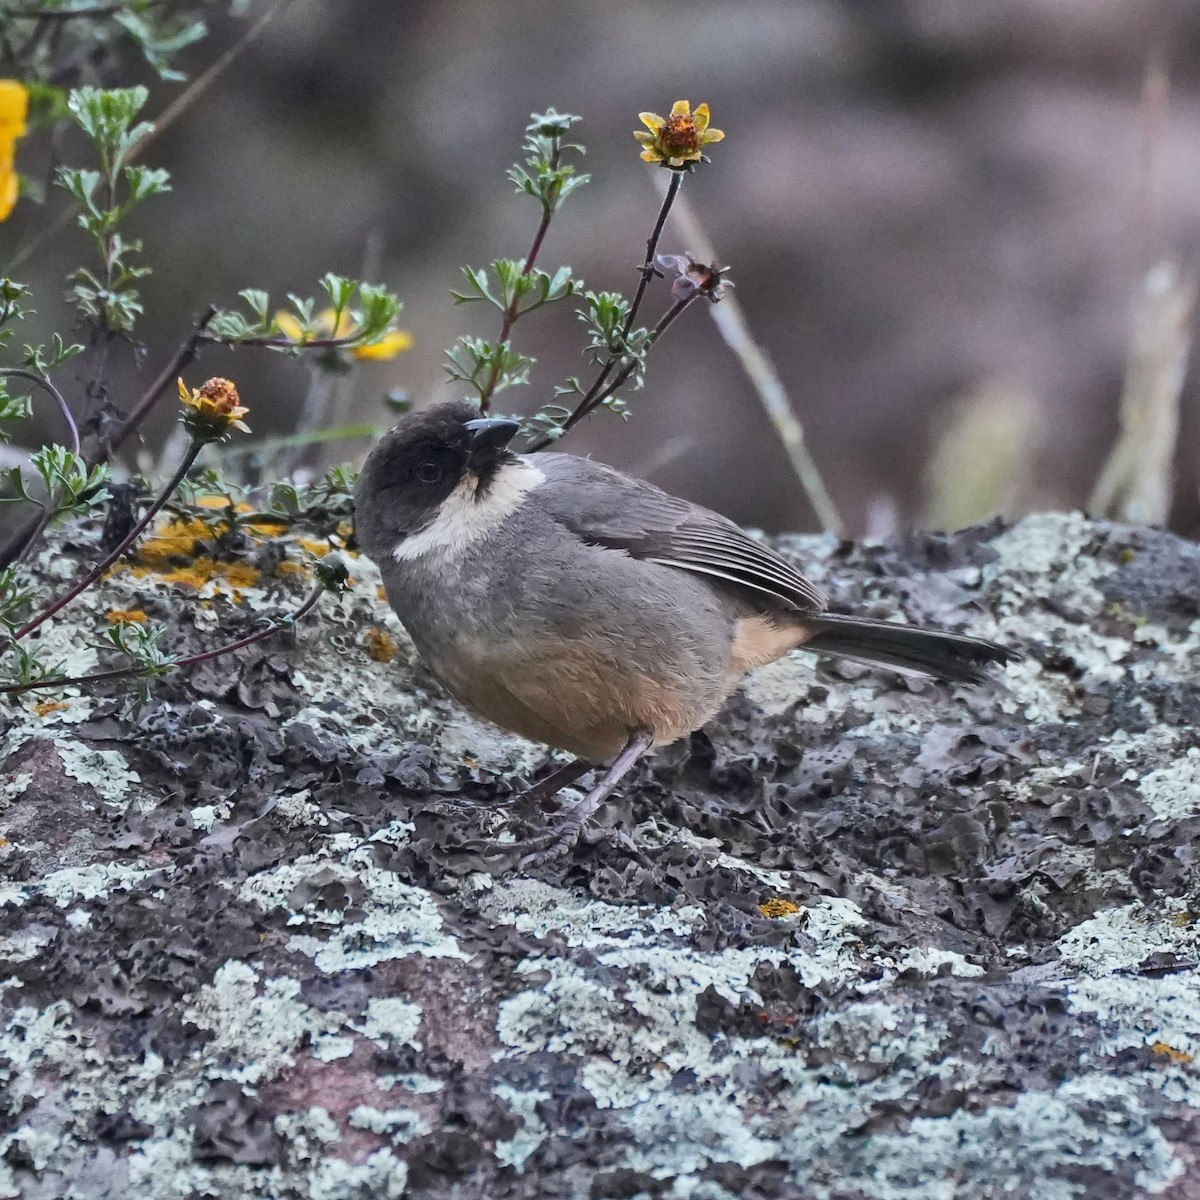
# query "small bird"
(588, 610)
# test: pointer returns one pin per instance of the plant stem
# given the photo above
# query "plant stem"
(664, 323)
(68, 14)
(43, 381)
(20, 545)
(279, 341)
(186, 465)
(50, 231)
(165, 378)
(651, 246)
(597, 394)
(42, 521)
(190, 660)
(510, 313)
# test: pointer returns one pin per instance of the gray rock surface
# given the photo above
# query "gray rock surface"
(876, 939)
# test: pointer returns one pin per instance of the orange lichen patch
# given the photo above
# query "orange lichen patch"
(126, 616)
(44, 708)
(379, 645)
(261, 528)
(287, 567)
(778, 907)
(202, 570)
(264, 528)
(381, 592)
(174, 539)
(320, 549)
(1179, 1058)
(216, 501)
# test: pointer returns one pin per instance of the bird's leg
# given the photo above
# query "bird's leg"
(564, 833)
(558, 779)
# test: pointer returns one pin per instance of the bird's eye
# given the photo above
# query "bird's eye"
(429, 471)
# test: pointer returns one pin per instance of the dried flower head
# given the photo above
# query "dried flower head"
(329, 325)
(692, 277)
(677, 141)
(212, 410)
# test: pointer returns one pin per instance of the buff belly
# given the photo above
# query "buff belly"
(576, 699)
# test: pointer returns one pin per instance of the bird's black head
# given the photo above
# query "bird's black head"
(444, 452)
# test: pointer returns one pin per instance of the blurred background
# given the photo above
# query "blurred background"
(940, 218)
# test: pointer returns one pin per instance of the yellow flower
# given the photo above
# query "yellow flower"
(394, 342)
(10, 186)
(14, 105)
(213, 409)
(679, 139)
(329, 325)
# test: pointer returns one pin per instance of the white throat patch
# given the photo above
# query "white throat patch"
(463, 520)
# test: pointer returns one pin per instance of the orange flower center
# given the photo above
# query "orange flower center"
(679, 135)
(220, 396)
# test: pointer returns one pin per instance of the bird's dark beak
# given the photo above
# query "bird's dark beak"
(490, 435)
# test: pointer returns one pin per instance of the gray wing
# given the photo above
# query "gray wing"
(607, 508)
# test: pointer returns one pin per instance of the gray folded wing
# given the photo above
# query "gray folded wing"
(606, 508)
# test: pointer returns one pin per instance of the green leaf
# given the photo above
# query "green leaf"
(13, 408)
(144, 182)
(477, 277)
(259, 303)
(340, 291)
(13, 490)
(488, 367)
(159, 40)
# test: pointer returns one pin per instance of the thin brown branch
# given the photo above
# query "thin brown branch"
(647, 269)
(19, 546)
(69, 14)
(86, 582)
(282, 342)
(43, 381)
(169, 115)
(597, 394)
(510, 313)
(165, 378)
(188, 661)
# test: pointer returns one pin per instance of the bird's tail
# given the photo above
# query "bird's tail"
(949, 656)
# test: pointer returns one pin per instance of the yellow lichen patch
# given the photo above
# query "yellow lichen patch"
(381, 592)
(263, 528)
(126, 616)
(379, 645)
(319, 549)
(1181, 920)
(1179, 1058)
(287, 567)
(216, 501)
(175, 539)
(778, 907)
(202, 570)
(44, 708)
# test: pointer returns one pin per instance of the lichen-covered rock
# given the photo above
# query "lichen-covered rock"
(860, 938)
